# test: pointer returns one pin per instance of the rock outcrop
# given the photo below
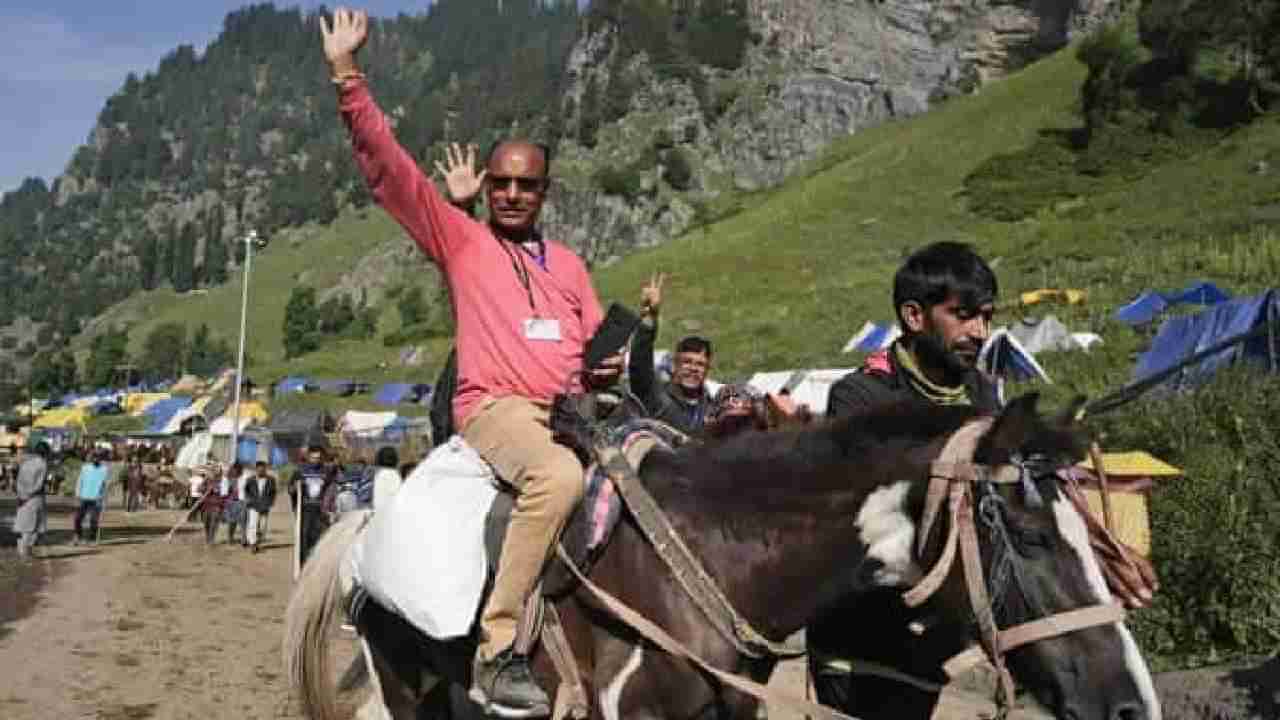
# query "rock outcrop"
(816, 70)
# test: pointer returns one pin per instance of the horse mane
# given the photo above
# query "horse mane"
(793, 469)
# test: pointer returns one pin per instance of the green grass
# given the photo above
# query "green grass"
(786, 276)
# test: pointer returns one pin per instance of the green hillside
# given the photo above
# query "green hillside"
(787, 276)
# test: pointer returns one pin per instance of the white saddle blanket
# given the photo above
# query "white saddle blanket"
(423, 555)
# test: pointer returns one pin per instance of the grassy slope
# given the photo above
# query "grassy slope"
(784, 283)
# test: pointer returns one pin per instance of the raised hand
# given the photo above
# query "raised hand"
(651, 294)
(344, 38)
(460, 176)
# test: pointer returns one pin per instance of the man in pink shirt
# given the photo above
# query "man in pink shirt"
(524, 310)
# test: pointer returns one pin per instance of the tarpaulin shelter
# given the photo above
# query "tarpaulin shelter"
(196, 450)
(341, 388)
(1149, 304)
(104, 407)
(291, 385)
(394, 393)
(1069, 296)
(162, 412)
(71, 418)
(872, 337)
(808, 387)
(252, 410)
(355, 422)
(1004, 356)
(301, 428)
(1130, 478)
(137, 403)
(1181, 337)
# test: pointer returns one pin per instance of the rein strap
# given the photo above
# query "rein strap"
(952, 479)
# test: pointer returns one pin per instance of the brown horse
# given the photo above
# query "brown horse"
(789, 524)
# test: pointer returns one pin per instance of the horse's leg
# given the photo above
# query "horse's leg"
(400, 679)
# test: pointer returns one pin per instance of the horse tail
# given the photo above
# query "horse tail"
(310, 618)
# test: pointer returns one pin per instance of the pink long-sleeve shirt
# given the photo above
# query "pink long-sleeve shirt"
(491, 306)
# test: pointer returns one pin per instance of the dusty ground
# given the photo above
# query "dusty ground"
(139, 628)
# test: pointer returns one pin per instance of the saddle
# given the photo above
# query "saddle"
(578, 422)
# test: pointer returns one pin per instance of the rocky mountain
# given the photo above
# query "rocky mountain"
(810, 71)
(661, 112)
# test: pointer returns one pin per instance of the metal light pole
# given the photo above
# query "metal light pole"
(251, 240)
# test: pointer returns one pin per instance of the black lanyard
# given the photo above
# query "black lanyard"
(522, 272)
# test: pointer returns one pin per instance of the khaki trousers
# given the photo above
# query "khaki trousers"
(513, 435)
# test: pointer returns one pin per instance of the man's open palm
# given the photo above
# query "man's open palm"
(345, 36)
(460, 176)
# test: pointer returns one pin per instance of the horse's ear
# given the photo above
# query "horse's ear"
(1014, 426)
(1071, 414)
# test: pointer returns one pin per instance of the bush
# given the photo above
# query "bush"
(1216, 544)
(624, 181)
(679, 173)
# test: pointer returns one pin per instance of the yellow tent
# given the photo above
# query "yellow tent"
(62, 418)
(1070, 297)
(137, 403)
(252, 410)
(199, 404)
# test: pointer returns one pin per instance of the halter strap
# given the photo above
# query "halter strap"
(951, 480)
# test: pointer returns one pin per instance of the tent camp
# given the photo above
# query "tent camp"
(187, 384)
(1004, 356)
(194, 453)
(355, 422)
(1148, 305)
(1181, 337)
(808, 387)
(162, 414)
(137, 403)
(872, 337)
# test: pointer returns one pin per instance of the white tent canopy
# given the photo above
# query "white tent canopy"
(808, 387)
(872, 337)
(365, 423)
(193, 454)
(224, 425)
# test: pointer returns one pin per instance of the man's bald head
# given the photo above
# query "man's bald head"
(517, 185)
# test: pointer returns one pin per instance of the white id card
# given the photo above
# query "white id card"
(544, 329)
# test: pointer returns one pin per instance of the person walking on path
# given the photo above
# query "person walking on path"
(136, 482)
(259, 496)
(524, 309)
(91, 491)
(232, 506)
(33, 518)
(308, 488)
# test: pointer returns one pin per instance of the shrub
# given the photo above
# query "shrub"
(623, 181)
(1216, 545)
(679, 173)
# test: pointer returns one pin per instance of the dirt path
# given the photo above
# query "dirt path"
(139, 628)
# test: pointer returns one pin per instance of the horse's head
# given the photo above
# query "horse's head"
(1037, 562)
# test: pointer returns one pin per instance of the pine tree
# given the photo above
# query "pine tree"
(184, 259)
(148, 259)
(301, 320)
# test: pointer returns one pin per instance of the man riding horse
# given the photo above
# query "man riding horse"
(944, 297)
(524, 309)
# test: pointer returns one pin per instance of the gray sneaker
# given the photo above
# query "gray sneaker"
(505, 687)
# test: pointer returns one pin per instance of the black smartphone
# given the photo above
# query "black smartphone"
(612, 335)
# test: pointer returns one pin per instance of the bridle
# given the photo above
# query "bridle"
(953, 480)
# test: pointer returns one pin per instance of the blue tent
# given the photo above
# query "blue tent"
(1147, 306)
(1003, 356)
(872, 337)
(336, 387)
(1181, 337)
(162, 411)
(1142, 309)
(394, 393)
(292, 384)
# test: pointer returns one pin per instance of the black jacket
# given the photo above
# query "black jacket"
(261, 503)
(663, 401)
(867, 387)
